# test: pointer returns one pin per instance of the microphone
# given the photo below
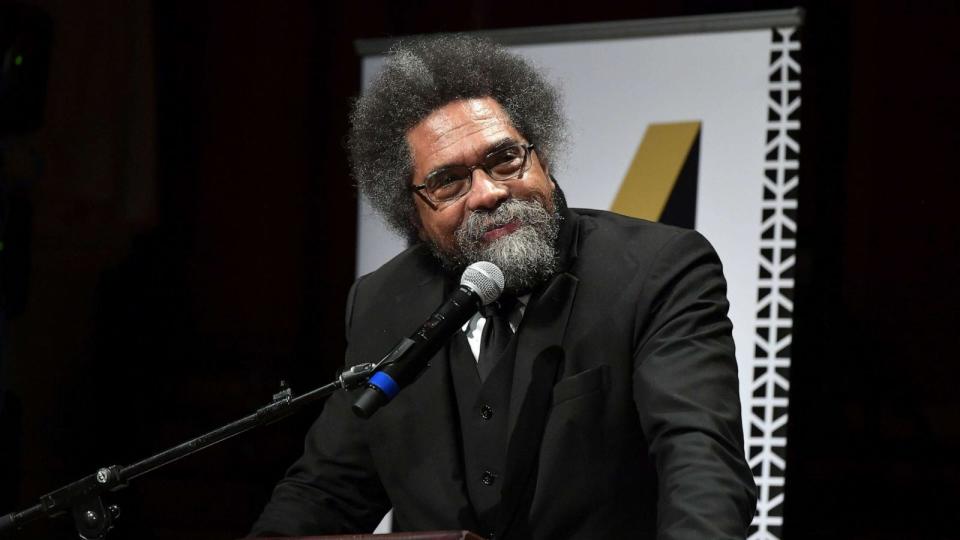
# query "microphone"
(481, 283)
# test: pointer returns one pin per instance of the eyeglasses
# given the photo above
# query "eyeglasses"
(448, 184)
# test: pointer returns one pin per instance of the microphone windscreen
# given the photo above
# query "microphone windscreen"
(485, 279)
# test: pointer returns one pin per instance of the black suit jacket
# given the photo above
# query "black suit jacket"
(624, 412)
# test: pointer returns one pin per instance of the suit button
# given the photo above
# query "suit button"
(486, 412)
(488, 478)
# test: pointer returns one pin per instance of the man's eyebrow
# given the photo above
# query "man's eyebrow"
(499, 145)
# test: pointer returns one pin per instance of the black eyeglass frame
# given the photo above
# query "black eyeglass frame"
(524, 167)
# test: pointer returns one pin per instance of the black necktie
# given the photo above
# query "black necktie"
(496, 334)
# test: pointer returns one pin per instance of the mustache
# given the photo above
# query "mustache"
(527, 212)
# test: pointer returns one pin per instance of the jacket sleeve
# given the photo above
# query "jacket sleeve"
(333, 487)
(687, 395)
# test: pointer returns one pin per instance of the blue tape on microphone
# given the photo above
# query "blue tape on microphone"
(385, 383)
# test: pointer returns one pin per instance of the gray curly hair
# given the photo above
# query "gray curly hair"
(423, 75)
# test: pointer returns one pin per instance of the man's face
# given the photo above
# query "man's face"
(463, 133)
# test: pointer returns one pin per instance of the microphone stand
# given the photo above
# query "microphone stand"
(93, 520)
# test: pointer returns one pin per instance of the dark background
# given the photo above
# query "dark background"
(179, 237)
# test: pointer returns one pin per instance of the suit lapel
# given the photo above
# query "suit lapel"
(538, 359)
(543, 325)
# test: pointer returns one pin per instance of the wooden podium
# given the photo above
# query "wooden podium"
(432, 535)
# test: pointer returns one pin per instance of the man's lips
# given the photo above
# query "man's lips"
(503, 230)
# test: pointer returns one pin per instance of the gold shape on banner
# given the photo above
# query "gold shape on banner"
(655, 168)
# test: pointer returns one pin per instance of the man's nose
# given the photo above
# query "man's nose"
(486, 193)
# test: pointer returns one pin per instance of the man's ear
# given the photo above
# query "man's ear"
(558, 195)
(545, 166)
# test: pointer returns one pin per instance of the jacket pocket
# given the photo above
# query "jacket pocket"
(581, 384)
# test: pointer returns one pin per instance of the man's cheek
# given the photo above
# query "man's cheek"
(544, 199)
(445, 236)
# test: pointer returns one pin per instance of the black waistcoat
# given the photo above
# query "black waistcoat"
(483, 409)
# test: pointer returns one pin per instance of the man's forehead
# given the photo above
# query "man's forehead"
(465, 129)
(482, 111)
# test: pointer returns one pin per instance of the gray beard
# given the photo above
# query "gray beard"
(527, 256)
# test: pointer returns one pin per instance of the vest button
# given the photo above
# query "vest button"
(488, 478)
(486, 412)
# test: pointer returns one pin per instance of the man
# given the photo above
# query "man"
(600, 402)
